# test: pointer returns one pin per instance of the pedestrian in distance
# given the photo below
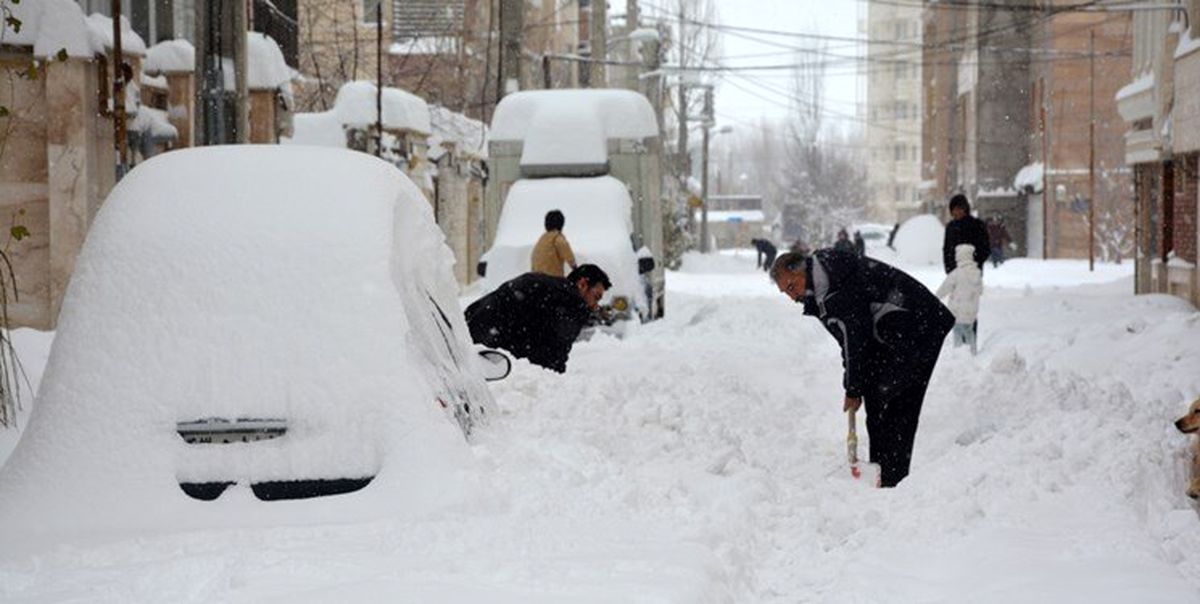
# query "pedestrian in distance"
(961, 290)
(999, 239)
(843, 243)
(890, 329)
(860, 244)
(964, 228)
(765, 252)
(538, 317)
(552, 249)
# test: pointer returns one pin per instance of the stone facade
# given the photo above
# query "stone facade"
(58, 165)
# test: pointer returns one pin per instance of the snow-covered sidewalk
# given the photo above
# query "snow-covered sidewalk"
(701, 459)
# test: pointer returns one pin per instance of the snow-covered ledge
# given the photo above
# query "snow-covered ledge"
(1135, 101)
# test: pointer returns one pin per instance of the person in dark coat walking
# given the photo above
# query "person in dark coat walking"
(964, 228)
(765, 252)
(999, 238)
(860, 244)
(537, 316)
(890, 329)
(843, 243)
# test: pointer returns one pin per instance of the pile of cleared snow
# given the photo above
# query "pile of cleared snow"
(298, 285)
(919, 240)
(51, 26)
(170, 56)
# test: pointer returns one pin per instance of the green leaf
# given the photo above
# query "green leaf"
(3, 111)
(62, 54)
(18, 232)
(14, 23)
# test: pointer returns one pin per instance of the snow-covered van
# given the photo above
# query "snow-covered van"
(594, 155)
(247, 324)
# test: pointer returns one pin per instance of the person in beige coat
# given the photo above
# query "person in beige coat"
(552, 250)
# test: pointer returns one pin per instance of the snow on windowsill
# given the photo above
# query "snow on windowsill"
(1141, 84)
(1187, 44)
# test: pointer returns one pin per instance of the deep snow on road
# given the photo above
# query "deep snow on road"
(701, 459)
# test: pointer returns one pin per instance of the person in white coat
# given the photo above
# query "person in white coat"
(963, 287)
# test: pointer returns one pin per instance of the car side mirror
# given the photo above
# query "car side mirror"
(645, 265)
(496, 365)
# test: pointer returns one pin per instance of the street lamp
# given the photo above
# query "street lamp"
(708, 124)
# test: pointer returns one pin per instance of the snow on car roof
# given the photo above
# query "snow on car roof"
(571, 126)
(244, 282)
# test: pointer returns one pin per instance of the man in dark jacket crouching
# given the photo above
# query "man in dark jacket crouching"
(537, 316)
(890, 329)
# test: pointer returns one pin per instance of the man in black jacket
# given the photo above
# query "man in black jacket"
(537, 316)
(890, 329)
(964, 228)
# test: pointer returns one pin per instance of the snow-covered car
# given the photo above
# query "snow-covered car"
(249, 324)
(598, 227)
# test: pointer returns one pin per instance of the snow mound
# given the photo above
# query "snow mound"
(50, 26)
(355, 106)
(919, 240)
(322, 129)
(301, 285)
(102, 30)
(598, 227)
(468, 135)
(265, 67)
(170, 56)
(1029, 178)
(153, 122)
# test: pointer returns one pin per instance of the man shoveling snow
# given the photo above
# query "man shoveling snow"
(890, 328)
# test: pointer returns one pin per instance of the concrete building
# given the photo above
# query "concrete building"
(894, 111)
(1160, 105)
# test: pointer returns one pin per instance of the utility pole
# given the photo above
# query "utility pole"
(598, 41)
(240, 64)
(118, 97)
(546, 83)
(512, 24)
(379, 78)
(708, 121)
(1092, 151)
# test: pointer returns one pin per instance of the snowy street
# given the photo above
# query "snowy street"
(702, 459)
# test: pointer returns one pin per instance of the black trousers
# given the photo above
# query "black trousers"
(892, 426)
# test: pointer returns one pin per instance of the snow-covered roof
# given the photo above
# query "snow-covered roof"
(567, 127)
(102, 28)
(1029, 178)
(598, 227)
(153, 122)
(1141, 84)
(265, 67)
(50, 26)
(170, 56)
(355, 106)
(214, 284)
(468, 135)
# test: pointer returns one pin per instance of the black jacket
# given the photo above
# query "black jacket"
(890, 327)
(533, 316)
(967, 229)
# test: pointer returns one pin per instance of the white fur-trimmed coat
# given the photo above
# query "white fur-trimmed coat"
(963, 286)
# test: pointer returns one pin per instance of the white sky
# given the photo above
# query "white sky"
(739, 101)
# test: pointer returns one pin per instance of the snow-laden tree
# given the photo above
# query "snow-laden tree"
(822, 172)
